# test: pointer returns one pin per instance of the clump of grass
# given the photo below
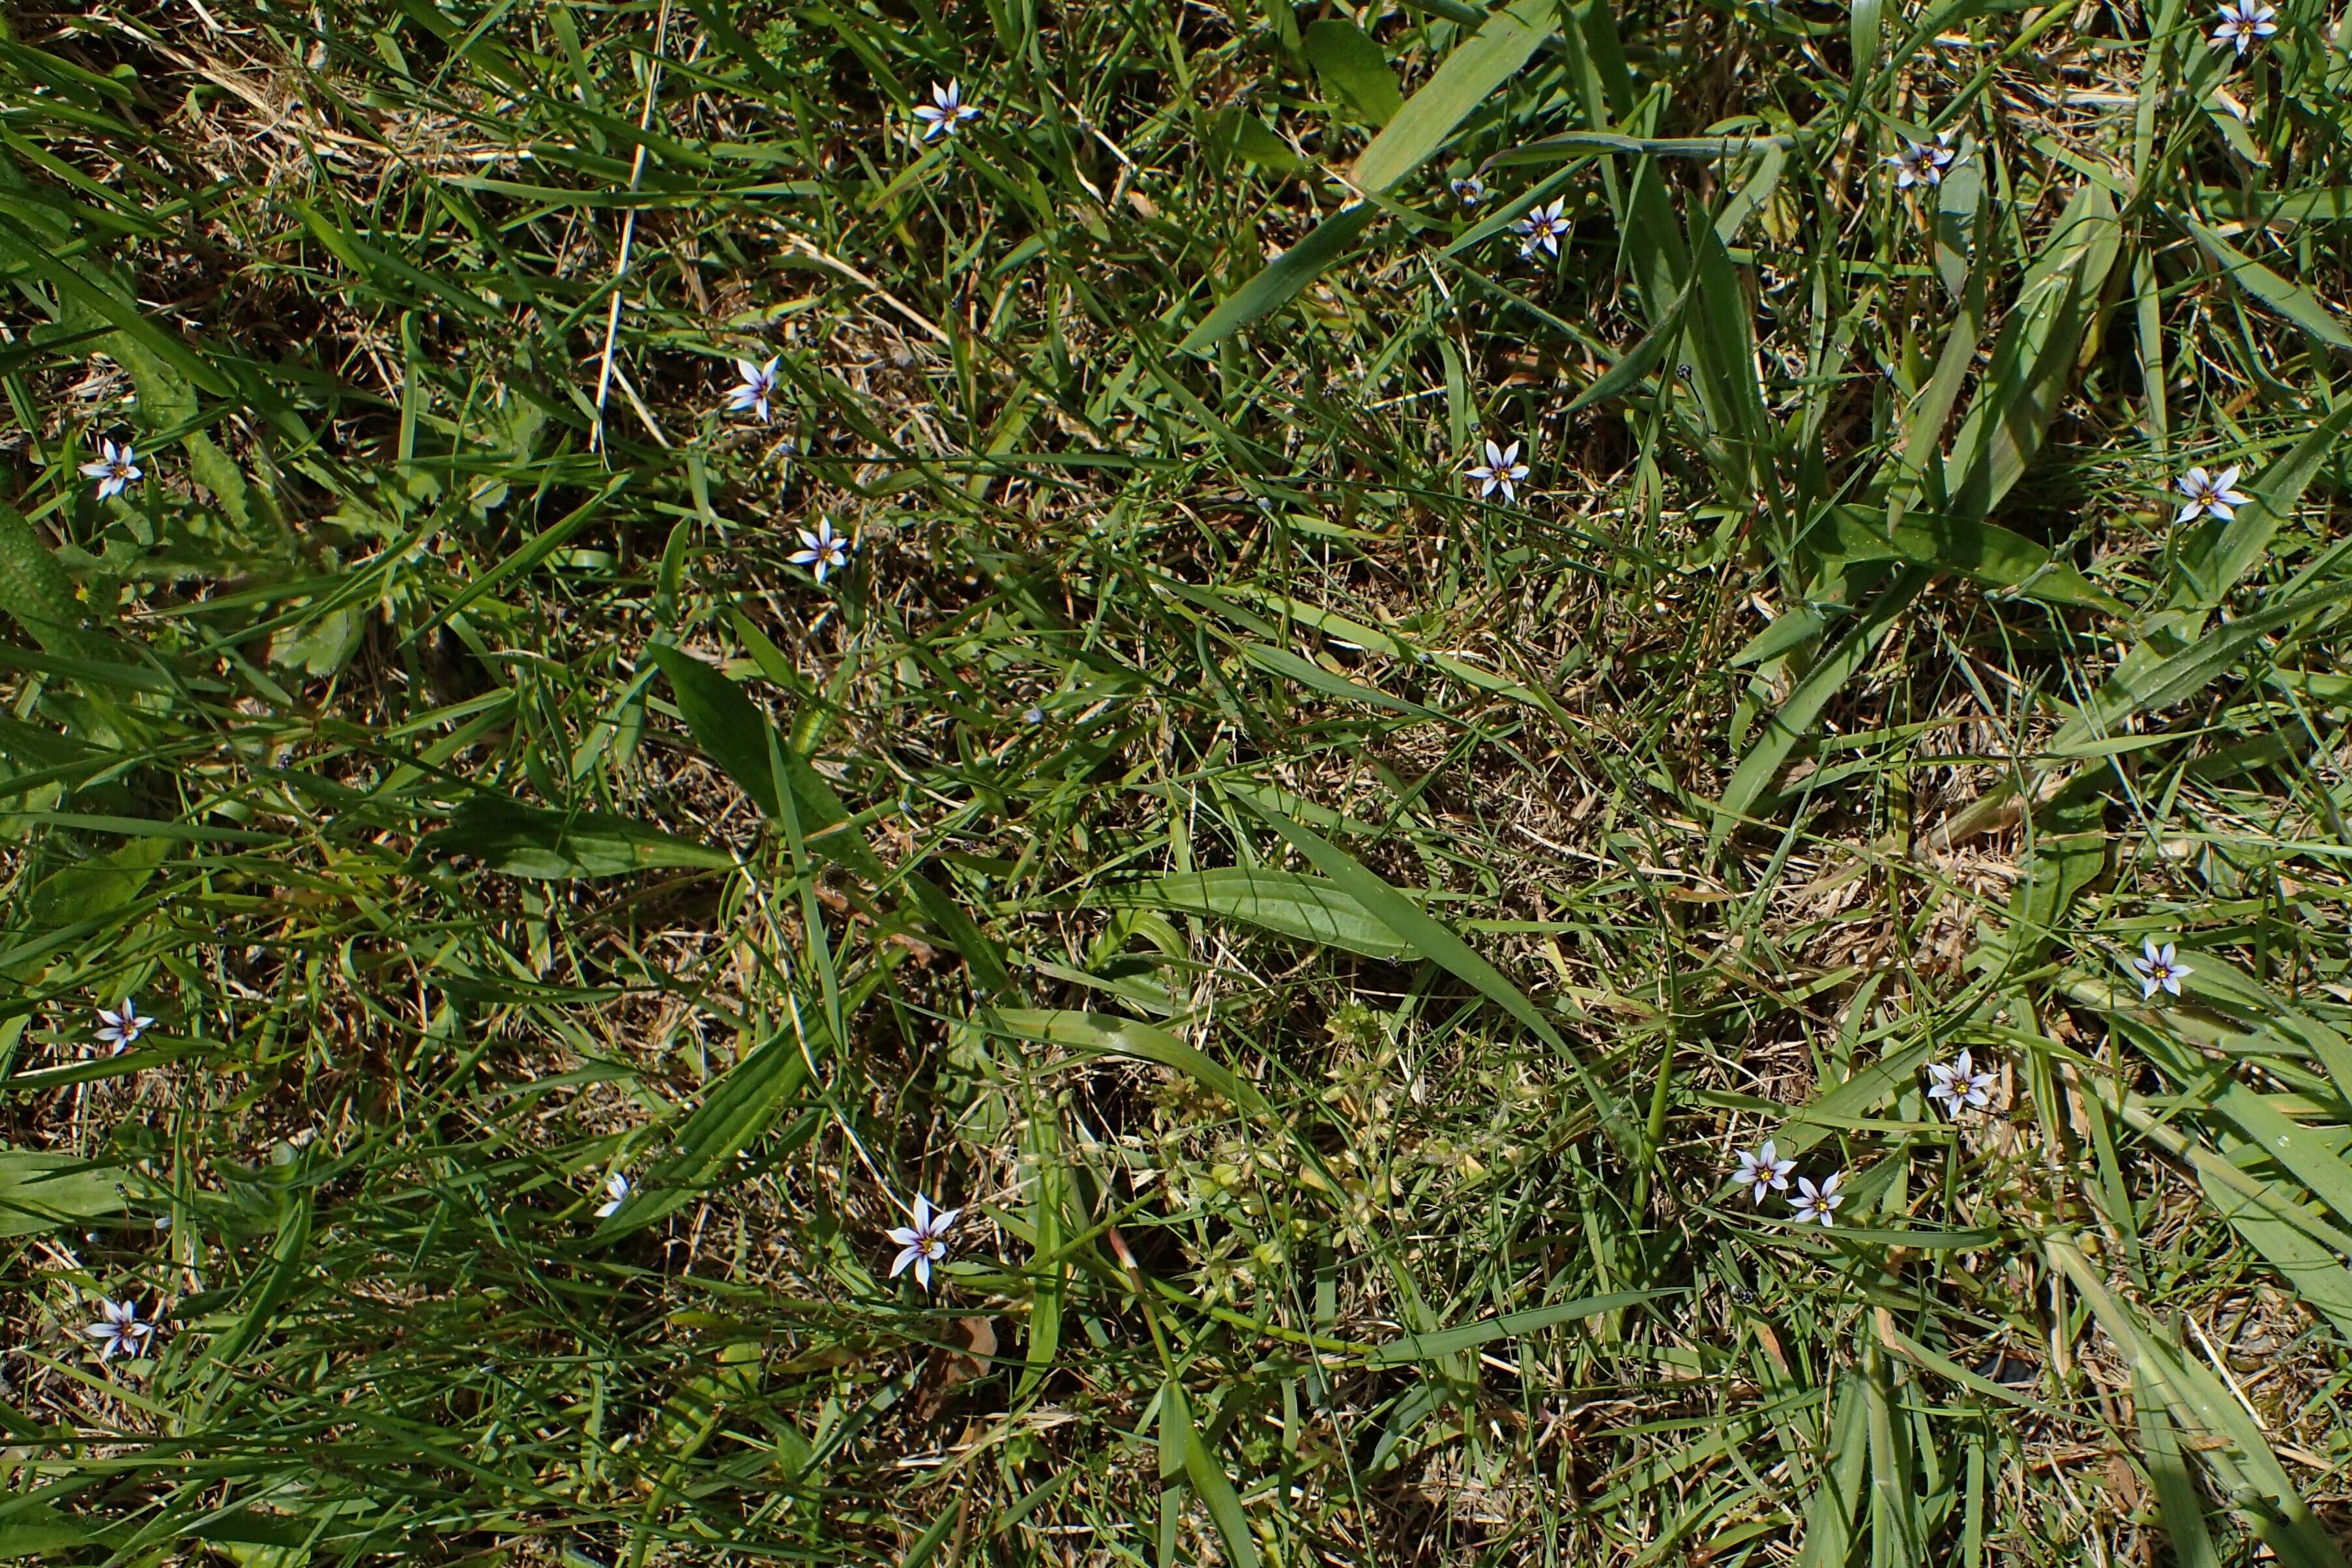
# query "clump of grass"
(1307, 663)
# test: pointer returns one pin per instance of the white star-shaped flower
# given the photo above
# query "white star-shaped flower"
(1470, 190)
(1542, 229)
(946, 110)
(1501, 471)
(1959, 1084)
(119, 1028)
(822, 550)
(2244, 24)
(617, 1193)
(1922, 161)
(2158, 969)
(1817, 1202)
(924, 1242)
(2214, 493)
(1761, 1170)
(759, 384)
(114, 469)
(120, 1331)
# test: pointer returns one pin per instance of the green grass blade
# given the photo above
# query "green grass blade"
(2266, 289)
(1100, 1034)
(554, 846)
(1467, 80)
(2176, 1490)
(1430, 940)
(41, 1192)
(1352, 68)
(1408, 1349)
(1209, 1479)
(2216, 555)
(2155, 682)
(1305, 908)
(1793, 722)
(737, 1111)
(1280, 280)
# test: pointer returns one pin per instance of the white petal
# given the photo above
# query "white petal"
(905, 1236)
(908, 1256)
(941, 1220)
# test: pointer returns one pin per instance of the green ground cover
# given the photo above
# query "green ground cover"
(1278, 679)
